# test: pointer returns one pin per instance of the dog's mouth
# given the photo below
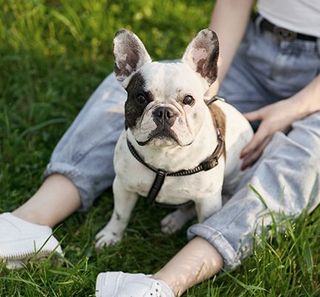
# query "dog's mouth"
(162, 133)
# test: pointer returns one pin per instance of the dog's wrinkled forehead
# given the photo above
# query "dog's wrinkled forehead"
(160, 83)
(166, 81)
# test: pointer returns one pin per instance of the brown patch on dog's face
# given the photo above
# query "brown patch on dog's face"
(219, 117)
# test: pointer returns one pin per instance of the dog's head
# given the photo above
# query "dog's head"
(165, 104)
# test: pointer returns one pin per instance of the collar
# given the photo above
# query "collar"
(209, 163)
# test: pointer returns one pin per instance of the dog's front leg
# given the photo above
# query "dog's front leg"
(124, 203)
(205, 207)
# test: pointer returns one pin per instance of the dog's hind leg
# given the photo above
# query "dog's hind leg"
(175, 220)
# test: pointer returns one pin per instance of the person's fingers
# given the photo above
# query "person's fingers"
(256, 140)
(254, 115)
(252, 156)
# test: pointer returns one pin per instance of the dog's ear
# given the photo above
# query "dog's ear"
(129, 55)
(202, 54)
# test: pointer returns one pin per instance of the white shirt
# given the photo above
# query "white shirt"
(302, 16)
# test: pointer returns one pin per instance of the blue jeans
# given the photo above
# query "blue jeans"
(264, 71)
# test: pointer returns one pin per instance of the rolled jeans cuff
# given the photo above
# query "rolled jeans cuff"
(221, 244)
(80, 181)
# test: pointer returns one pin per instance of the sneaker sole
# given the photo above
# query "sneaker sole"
(42, 247)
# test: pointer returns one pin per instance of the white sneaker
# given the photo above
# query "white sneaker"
(20, 240)
(120, 284)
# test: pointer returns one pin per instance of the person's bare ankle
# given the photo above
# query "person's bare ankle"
(30, 216)
(196, 262)
(174, 285)
(55, 200)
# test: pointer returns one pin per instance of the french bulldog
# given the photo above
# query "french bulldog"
(177, 147)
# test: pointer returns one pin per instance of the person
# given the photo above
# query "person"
(269, 70)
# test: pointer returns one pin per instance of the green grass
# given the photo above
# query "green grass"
(53, 54)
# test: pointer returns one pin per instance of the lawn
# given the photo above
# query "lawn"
(53, 54)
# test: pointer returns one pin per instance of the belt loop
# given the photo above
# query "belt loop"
(258, 21)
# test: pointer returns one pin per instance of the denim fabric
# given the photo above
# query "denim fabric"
(264, 71)
(287, 175)
(85, 152)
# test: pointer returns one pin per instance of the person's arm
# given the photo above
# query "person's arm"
(229, 20)
(279, 117)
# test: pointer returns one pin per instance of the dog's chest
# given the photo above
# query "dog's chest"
(175, 189)
(137, 178)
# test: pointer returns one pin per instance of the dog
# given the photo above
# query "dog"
(177, 147)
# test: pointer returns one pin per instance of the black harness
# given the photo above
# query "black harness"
(209, 163)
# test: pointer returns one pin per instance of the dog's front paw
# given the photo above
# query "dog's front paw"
(107, 237)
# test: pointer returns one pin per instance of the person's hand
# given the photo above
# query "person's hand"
(274, 117)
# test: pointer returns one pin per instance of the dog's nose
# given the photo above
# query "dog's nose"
(162, 115)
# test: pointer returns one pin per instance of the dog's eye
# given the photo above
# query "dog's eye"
(188, 100)
(141, 99)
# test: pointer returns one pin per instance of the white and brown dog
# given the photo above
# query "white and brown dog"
(177, 147)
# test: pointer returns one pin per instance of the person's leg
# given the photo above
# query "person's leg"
(84, 155)
(81, 167)
(44, 207)
(287, 177)
(196, 262)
